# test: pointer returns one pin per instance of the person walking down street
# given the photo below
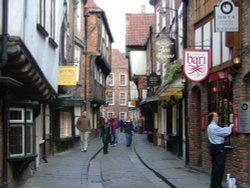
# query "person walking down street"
(216, 138)
(129, 127)
(114, 124)
(121, 125)
(83, 125)
(105, 134)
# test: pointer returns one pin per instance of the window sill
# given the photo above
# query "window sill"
(42, 30)
(23, 158)
(229, 147)
(53, 43)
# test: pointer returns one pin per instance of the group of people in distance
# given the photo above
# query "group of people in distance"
(108, 129)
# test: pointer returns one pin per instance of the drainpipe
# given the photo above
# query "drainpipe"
(4, 55)
(185, 15)
(3, 62)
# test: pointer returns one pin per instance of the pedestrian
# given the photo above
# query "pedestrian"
(129, 127)
(114, 124)
(105, 134)
(83, 125)
(216, 138)
(121, 125)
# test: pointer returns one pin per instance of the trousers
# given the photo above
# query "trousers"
(218, 155)
(84, 140)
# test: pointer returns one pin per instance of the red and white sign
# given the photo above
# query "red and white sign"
(196, 64)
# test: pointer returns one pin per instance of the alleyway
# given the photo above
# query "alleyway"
(121, 168)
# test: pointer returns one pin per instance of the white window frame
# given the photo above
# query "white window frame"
(31, 136)
(120, 79)
(77, 112)
(120, 99)
(113, 98)
(23, 125)
(125, 115)
(41, 18)
(109, 83)
(52, 18)
(31, 116)
(23, 143)
(110, 114)
(22, 115)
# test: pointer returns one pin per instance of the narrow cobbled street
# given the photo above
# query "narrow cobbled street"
(140, 166)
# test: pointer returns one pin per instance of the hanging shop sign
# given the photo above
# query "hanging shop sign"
(165, 49)
(226, 17)
(67, 75)
(196, 64)
(153, 80)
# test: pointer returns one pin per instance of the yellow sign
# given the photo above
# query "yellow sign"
(67, 75)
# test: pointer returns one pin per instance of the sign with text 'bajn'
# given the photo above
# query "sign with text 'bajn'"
(196, 64)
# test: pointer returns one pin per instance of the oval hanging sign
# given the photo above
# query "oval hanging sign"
(196, 64)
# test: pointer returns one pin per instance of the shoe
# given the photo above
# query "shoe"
(85, 150)
(81, 150)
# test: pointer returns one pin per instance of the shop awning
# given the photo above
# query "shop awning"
(175, 88)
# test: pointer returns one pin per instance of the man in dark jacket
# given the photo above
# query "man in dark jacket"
(129, 127)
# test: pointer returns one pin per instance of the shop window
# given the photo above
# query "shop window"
(206, 38)
(20, 132)
(65, 125)
(220, 99)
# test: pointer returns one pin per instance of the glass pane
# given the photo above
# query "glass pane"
(207, 38)
(226, 50)
(65, 124)
(198, 40)
(16, 140)
(216, 48)
(28, 139)
(16, 114)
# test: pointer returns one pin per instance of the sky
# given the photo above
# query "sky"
(115, 11)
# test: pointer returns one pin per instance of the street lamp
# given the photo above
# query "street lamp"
(87, 13)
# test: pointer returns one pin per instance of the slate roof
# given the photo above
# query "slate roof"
(137, 28)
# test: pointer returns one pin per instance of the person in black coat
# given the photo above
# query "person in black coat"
(129, 128)
(105, 134)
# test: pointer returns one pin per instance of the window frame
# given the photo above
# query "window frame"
(23, 123)
(120, 99)
(109, 78)
(125, 115)
(68, 128)
(53, 19)
(120, 80)
(107, 100)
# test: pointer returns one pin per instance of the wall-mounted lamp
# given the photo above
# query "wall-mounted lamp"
(236, 60)
(183, 80)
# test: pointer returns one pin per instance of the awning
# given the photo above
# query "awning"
(153, 98)
(175, 89)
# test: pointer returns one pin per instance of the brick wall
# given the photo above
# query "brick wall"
(238, 160)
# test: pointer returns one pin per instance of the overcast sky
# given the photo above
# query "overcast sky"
(115, 11)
